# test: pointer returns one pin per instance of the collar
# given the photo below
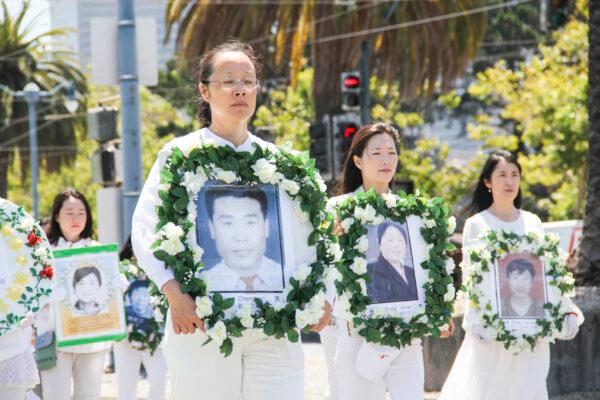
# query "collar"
(246, 146)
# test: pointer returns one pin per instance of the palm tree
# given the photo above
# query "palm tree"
(284, 33)
(27, 58)
(587, 270)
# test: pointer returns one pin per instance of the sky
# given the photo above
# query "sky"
(38, 9)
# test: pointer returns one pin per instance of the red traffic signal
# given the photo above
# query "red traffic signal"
(351, 82)
(350, 130)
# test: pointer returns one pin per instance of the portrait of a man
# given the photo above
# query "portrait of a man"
(87, 291)
(138, 309)
(392, 273)
(518, 278)
(239, 222)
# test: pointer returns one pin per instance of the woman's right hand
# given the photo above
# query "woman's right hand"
(183, 309)
(337, 229)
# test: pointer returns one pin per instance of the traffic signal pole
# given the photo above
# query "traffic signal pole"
(130, 112)
(365, 54)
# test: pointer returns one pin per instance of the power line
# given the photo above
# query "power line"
(39, 127)
(422, 21)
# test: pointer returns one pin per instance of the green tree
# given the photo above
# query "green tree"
(27, 58)
(544, 117)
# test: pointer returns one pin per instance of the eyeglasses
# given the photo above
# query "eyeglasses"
(231, 84)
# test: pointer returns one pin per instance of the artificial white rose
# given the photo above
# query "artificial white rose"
(451, 225)
(370, 213)
(429, 223)
(41, 252)
(197, 253)
(359, 266)
(450, 266)
(290, 186)
(264, 170)
(245, 315)
(171, 231)
(347, 223)
(302, 318)
(390, 199)
(225, 176)
(377, 220)
(450, 292)
(336, 251)
(218, 333)
(302, 273)
(359, 213)
(193, 182)
(363, 286)
(424, 319)
(203, 306)
(485, 255)
(247, 321)
(332, 275)
(172, 246)
(27, 223)
(362, 244)
(321, 183)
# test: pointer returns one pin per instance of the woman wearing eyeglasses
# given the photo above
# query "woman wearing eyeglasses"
(259, 368)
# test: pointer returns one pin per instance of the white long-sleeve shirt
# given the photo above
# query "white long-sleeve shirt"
(145, 218)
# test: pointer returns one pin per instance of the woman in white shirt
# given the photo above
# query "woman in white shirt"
(483, 368)
(71, 227)
(371, 164)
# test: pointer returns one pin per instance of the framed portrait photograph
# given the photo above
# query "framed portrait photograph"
(240, 230)
(92, 307)
(394, 257)
(139, 313)
(521, 290)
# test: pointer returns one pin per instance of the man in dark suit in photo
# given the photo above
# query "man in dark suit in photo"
(391, 280)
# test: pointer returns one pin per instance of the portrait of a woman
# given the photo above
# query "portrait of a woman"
(391, 279)
(87, 283)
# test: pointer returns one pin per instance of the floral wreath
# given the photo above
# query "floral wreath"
(499, 244)
(31, 284)
(142, 340)
(382, 326)
(184, 173)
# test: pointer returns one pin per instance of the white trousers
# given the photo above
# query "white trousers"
(258, 368)
(12, 393)
(127, 369)
(329, 343)
(404, 378)
(84, 368)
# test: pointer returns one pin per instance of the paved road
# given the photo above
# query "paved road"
(315, 385)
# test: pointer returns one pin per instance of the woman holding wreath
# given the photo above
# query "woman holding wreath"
(258, 368)
(483, 368)
(371, 164)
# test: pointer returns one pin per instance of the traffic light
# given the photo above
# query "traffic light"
(351, 82)
(345, 127)
(107, 160)
(102, 124)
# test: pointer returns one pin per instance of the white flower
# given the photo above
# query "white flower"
(290, 186)
(423, 318)
(450, 292)
(264, 170)
(336, 251)
(302, 273)
(27, 223)
(451, 225)
(302, 318)
(225, 176)
(172, 246)
(359, 266)
(41, 252)
(218, 333)
(331, 276)
(485, 254)
(347, 223)
(363, 286)
(390, 200)
(450, 266)
(193, 182)
(370, 213)
(245, 315)
(171, 231)
(363, 244)
(377, 220)
(321, 183)
(203, 306)
(359, 213)
(429, 223)
(197, 252)
(476, 267)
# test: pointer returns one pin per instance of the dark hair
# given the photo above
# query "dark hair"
(482, 197)
(238, 192)
(384, 227)
(206, 66)
(126, 252)
(351, 176)
(137, 284)
(85, 271)
(519, 265)
(54, 233)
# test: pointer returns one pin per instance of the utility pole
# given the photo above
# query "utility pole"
(130, 112)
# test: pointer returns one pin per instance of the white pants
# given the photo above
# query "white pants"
(329, 342)
(84, 368)
(12, 393)
(127, 368)
(257, 369)
(404, 378)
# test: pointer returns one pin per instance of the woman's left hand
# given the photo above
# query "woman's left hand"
(325, 319)
(448, 332)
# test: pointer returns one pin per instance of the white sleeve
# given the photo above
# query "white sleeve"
(471, 232)
(143, 232)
